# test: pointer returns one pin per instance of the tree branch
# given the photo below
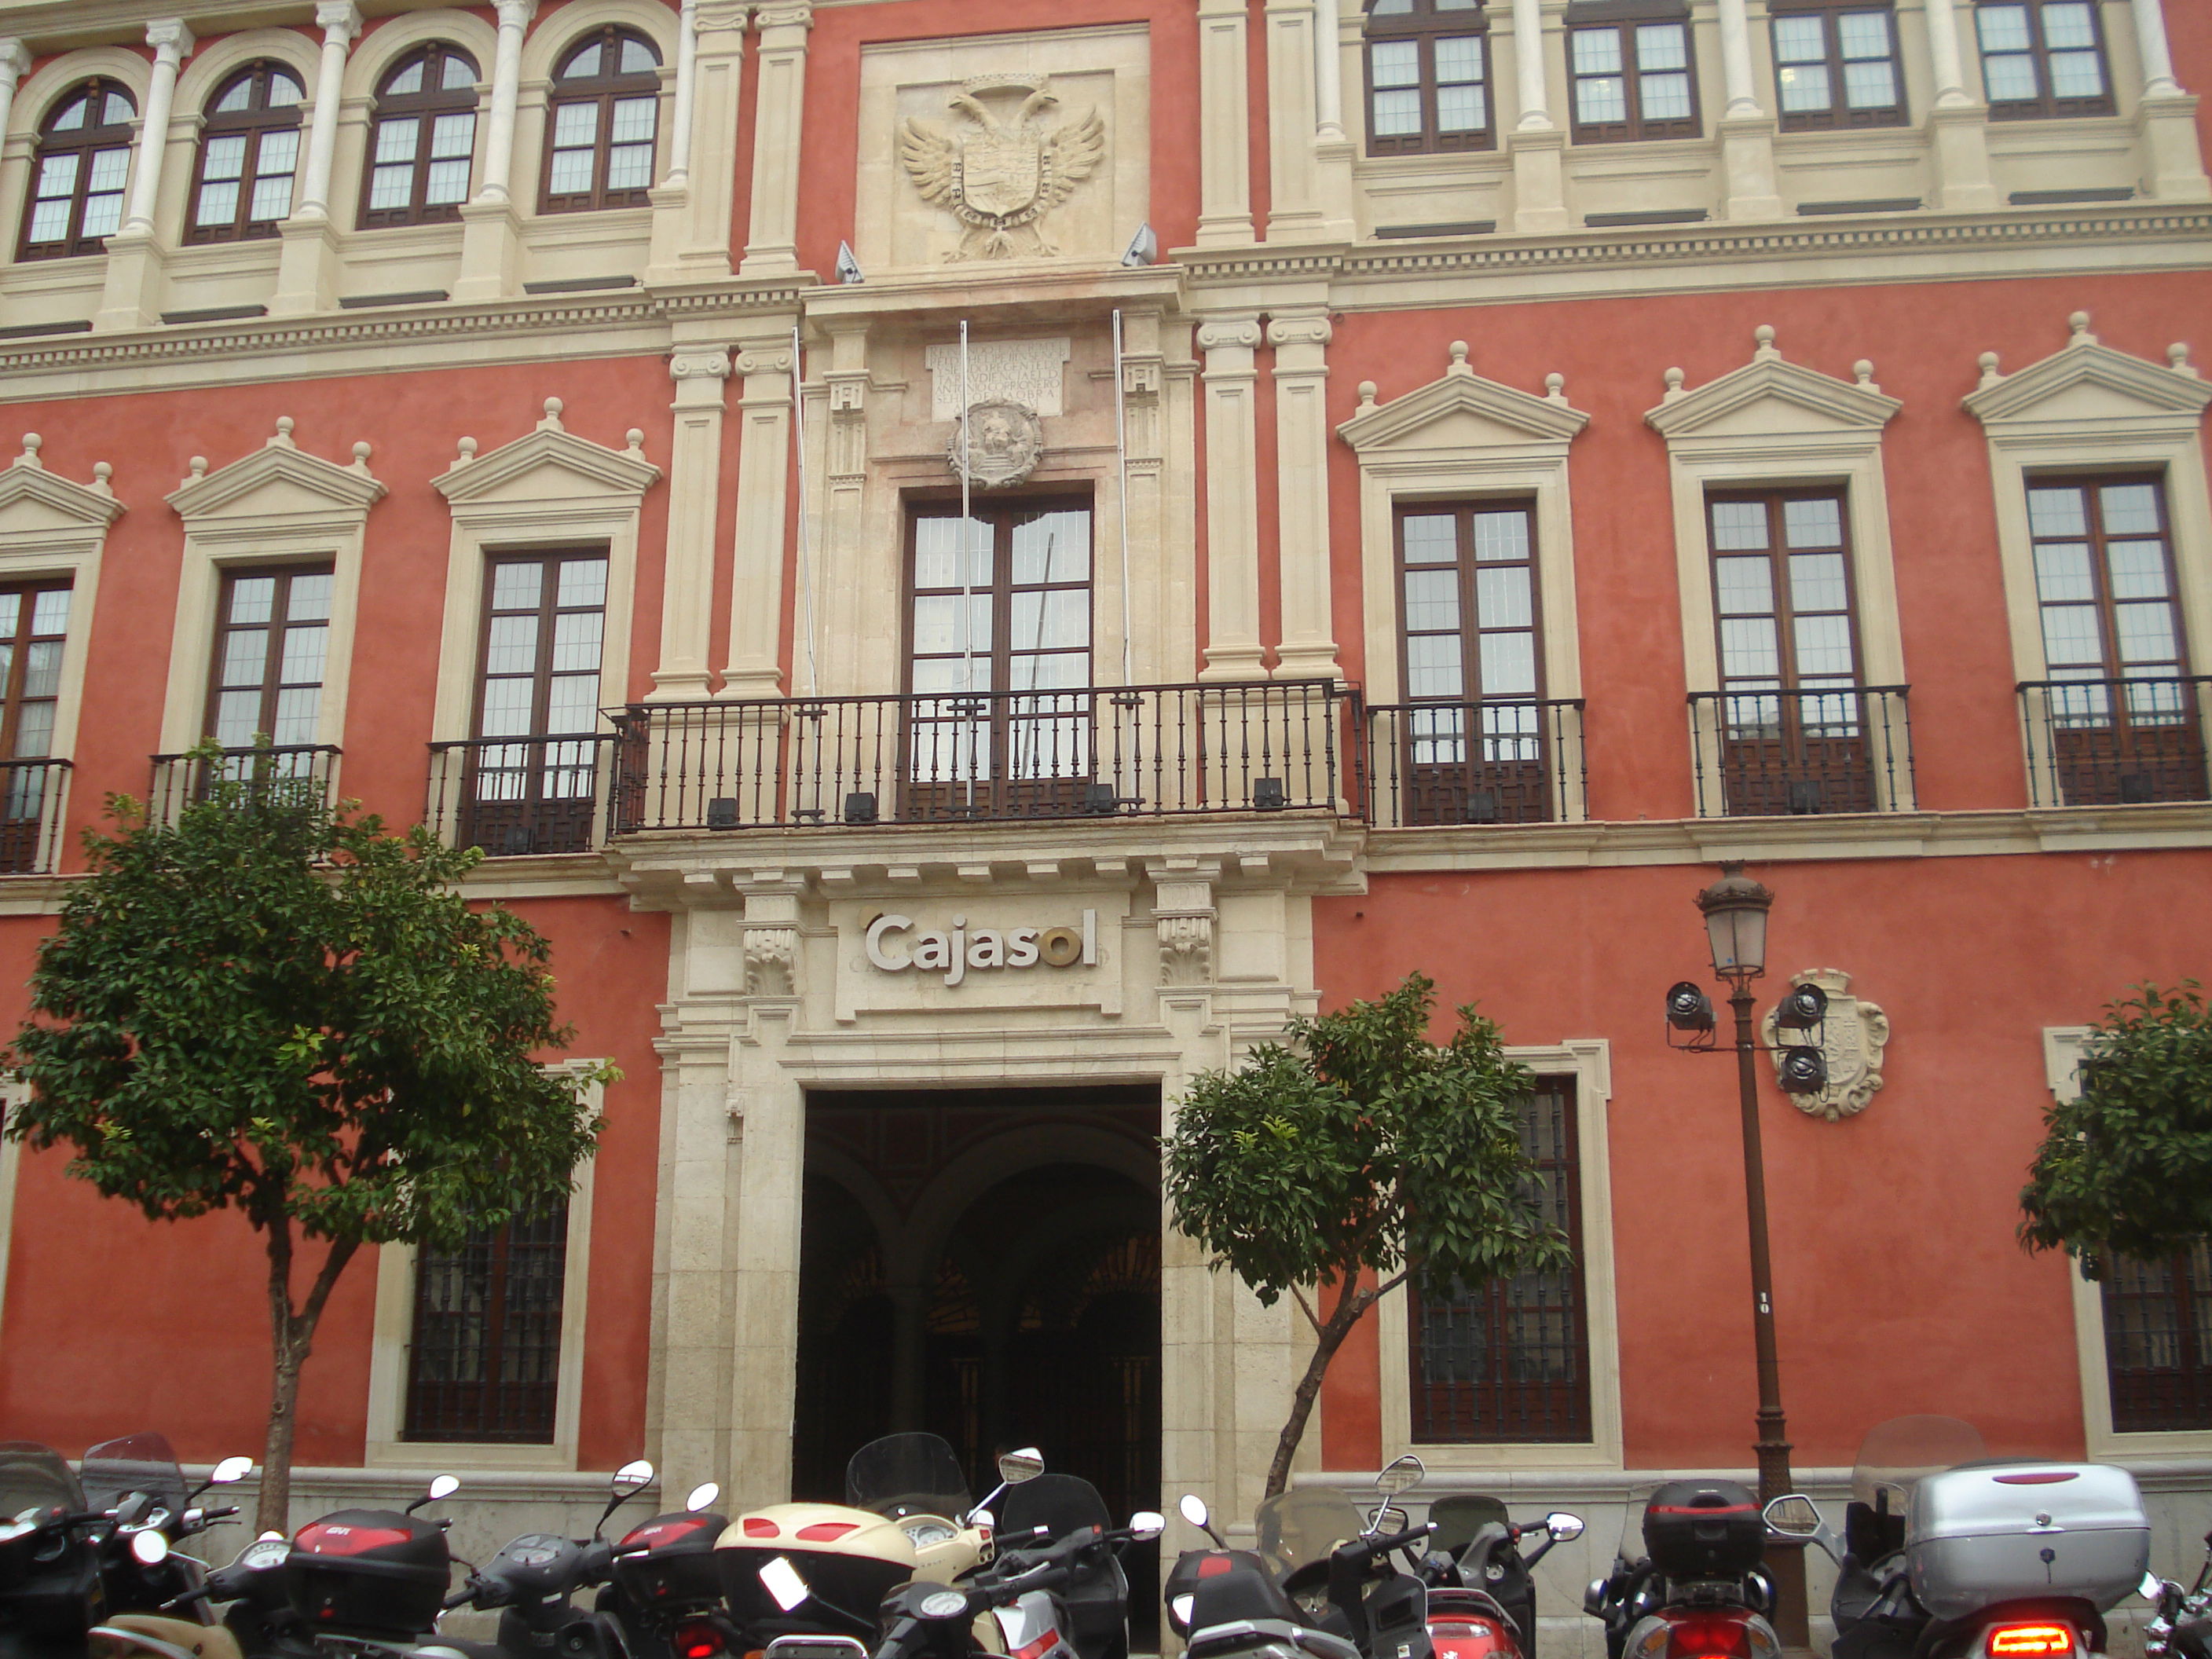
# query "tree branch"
(1306, 1308)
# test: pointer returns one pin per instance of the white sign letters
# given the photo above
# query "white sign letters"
(894, 946)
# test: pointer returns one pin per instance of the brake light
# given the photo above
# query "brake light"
(757, 1527)
(1708, 1639)
(697, 1640)
(2018, 1641)
(822, 1532)
(1039, 1648)
(1214, 1565)
(1470, 1640)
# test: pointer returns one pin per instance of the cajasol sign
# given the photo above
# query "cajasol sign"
(897, 945)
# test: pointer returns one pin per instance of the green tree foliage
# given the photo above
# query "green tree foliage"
(2125, 1168)
(273, 1007)
(1360, 1148)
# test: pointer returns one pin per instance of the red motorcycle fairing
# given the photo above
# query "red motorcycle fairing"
(1471, 1639)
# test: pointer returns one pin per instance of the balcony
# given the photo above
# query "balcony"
(1793, 751)
(1475, 763)
(32, 795)
(2122, 741)
(296, 774)
(991, 756)
(512, 797)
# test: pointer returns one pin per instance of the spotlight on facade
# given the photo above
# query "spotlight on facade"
(1100, 799)
(1143, 247)
(1802, 1009)
(848, 268)
(1688, 1008)
(1804, 1070)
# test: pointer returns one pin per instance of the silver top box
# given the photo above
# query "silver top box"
(2000, 1532)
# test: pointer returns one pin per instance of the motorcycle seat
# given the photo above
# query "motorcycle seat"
(1255, 1633)
(139, 1635)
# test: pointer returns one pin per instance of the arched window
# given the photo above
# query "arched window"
(423, 134)
(604, 114)
(249, 147)
(1428, 76)
(83, 159)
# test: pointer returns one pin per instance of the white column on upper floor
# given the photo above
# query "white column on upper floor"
(687, 77)
(1329, 71)
(1735, 59)
(1529, 64)
(340, 22)
(14, 63)
(1233, 651)
(514, 17)
(1944, 56)
(2157, 55)
(172, 43)
(1224, 153)
(779, 107)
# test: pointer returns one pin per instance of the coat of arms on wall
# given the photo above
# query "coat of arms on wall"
(1007, 168)
(1853, 1037)
(1004, 443)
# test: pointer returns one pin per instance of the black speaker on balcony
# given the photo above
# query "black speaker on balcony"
(1481, 806)
(860, 806)
(722, 812)
(2138, 788)
(1100, 801)
(1268, 795)
(1804, 795)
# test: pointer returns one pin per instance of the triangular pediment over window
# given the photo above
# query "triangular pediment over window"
(2085, 382)
(35, 504)
(1462, 411)
(1770, 395)
(549, 464)
(279, 484)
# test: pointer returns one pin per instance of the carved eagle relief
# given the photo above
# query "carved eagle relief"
(1000, 177)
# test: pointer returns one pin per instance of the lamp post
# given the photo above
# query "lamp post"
(1735, 908)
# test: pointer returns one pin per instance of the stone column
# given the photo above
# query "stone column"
(1334, 153)
(779, 105)
(692, 203)
(306, 264)
(687, 70)
(695, 490)
(2157, 55)
(1328, 71)
(1958, 125)
(757, 601)
(2166, 120)
(1293, 206)
(1746, 130)
(491, 232)
(1224, 159)
(1232, 507)
(1537, 146)
(14, 64)
(1943, 55)
(1528, 65)
(1301, 340)
(131, 289)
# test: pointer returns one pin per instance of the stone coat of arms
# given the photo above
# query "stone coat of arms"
(1003, 170)
(1005, 441)
(1854, 1036)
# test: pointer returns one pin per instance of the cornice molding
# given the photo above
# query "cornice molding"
(213, 495)
(609, 471)
(1769, 377)
(1460, 390)
(2176, 388)
(25, 479)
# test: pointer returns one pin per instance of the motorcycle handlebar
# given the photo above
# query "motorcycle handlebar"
(1383, 1546)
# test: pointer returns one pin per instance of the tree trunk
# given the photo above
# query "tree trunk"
(1329, 1337)
(292, 1339)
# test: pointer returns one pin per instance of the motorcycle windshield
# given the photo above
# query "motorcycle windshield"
(907, 1474)
(35, 1477)
(1301, 1526)
(1630, 1551)
(137, 1462)
(1895, 1455)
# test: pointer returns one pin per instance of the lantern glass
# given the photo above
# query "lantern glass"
(1736, 924)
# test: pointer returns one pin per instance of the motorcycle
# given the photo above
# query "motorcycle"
(51, 1589)
(1482, 1600)
(137, 1482)
(532, 1580)
(2181, 1628)
(1687, 1580)
(1945, 1555)
(666, 1594)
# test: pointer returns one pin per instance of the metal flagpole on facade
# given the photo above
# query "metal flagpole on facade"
(1121, 477)
(806, 546)
(965, 553)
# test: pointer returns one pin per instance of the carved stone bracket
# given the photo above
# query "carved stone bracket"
(696, 365)
(771, 961)
(1854, 1036)
(1185, 948)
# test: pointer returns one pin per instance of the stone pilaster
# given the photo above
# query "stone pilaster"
(1301, 340)
(772, 243)
(1224, 161)
(130, 296)
(1233, 509)
(756, 598)
(1294, 211)
(694, 203)
(491, 230)
(694, 489)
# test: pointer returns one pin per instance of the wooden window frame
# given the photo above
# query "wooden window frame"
(11, 683)
(2045, 105)
(1626, 17)
(1777, 552)
(1000, 511)
(1839, 116)
(255, 124)
(88, 141)
(507, 1411)
(1564, 1178)
(548, 559)
(603, 90)
(272, 683)
(425, 108)
(2090, 483)
(1423, 27)
(1464, 564)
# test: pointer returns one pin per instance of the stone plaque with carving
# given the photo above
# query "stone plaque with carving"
(1003, 443)
(1031, 372)
(1854, 1036)
(1005, 163)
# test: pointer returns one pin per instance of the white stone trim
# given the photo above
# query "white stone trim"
(222, 55)
(1589, 1061)
(51, 526)
(34, 99)
(14, 1091)
(394, 1328)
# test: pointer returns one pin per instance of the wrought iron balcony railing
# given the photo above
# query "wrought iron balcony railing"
(2115, 742)
(32, 794)
(515, 796)
(1799, 750)
(1476, 762)
(1147, 751)
(297, 774)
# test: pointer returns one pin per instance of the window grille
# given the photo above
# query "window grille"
(2157, 1341)
(484, 1362)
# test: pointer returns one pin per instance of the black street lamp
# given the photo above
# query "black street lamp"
(1735, 910)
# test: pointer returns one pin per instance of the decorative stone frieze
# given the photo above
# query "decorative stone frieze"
(1853, 1037)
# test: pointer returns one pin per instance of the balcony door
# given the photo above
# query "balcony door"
(1000, 722)
(538, 694)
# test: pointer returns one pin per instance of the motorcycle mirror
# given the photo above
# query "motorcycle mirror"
(1016, 1467)
(1193, 1509)
(1146, 1525)
(2152, 1588)
(702, 1497)
(444, 1486)
(1400, 1475)
(781, 1580)
(230, 1471)
(1563, 1527)
(982, 1518)
(1793, 1516)
(149, 1549)
(633, 1477)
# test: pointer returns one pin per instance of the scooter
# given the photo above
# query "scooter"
(532, 1582)
(1686, 1582)
(666, 1594)
(138, 1483)
(1481, 1599)
(1952, 1556)
(51, 1589)
(2182, 1628)
(1239, 1604)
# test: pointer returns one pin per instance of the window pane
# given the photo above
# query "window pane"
(2062, 572)
(2146, 632)
(1054, 548)
(937, 546)
(1501, 598)
(1799, 40)
(1739, 524)
(1600, 100)
(2129, 509)
(1805, 87)
(218, 204)
(284, 92)
(573, 703)
(511, 647)
(388, 187)
(505, 708)
(42, 669)
(49, 612)
(583, 581)
(2070, 636)
(1818, 523)
(103, 214)
(1432, 600)
(1394, 63)
(937, 625)
(1462, 109)
(1597, 51)
(1044, 621)
(1743, 586)
(226, 157)
(2003, 28)
(74, 115)
(1509, 664)
(1662, 46)
(237, 713)
(575, 123)
(2067, 24)
(304, 649)
(2138, 569)
(637, 59)
(1816, 581)
(572, 171)
(459, 73)
(583, 66)
(49, 222)
(444, 183)
(241, 93)
(2010, 79)
(1459, 60)
(630, 167)
(395, 140)
(2076, 75)
(516, 586)
(632, 120)
(1823, 648)
(409, 79)
(1430, 538)
(108, 168)
(1432, 666)
(34, 741)
(1666, 97)
(1501, 536)
(1749, 649)
(2061, 512)
(11, 613)
(245, 656)
(272, 198)
(1870, 86)
(251, 598)
(1397, 113)
(453, 136)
